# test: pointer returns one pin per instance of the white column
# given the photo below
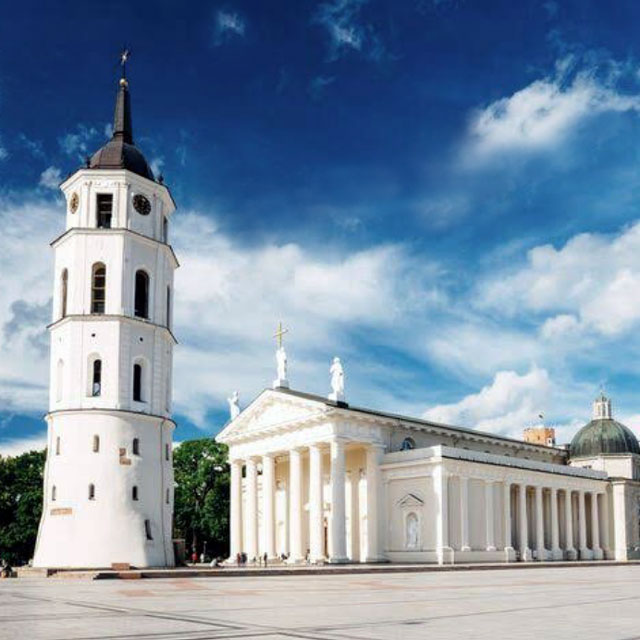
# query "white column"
(595, 528)
(337, 530)
(441, 485)
(489, 515)
(568, 523)
(525, 552)
(268, 505)
(540, 550)
(316, 528)
(374, 494)
(556, 552)
(251, 541)
(295, 506)
(464, 514)
(582, 528)
(235, 508)
(604, 514)
(506, 513)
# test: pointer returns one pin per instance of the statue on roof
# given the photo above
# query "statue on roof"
(234, 405)
(337, 380)
(281, 360)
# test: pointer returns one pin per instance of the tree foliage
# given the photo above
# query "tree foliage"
(20, 505)
(202, 495)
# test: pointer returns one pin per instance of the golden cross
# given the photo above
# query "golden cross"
(279, 333)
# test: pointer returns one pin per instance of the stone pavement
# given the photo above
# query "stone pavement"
(549, 603)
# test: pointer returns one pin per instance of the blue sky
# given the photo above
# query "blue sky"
(442, 193)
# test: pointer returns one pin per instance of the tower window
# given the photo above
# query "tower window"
(167, 497)
(58, 445)
(96, 380)
(141, 302)
(134, 493)
(53, 493)
(136, 447)
(96, 444)
(165, 229)
(98, 287)
(63, 292)
(104, 204)
(92, 492)
(147, 529)
(137, 382)
(166, 451)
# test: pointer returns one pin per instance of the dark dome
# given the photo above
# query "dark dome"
(117, 154)
(120, 152)
(602, 436)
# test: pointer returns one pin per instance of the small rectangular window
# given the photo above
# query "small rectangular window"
(58, 446)
(104, 206)
(147, 529)
(167, 498)
(166, 452)
(165, 230)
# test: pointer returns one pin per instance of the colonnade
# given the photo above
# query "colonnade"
(532, 515)
(247, 514)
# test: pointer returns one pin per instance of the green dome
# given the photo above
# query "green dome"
(602, 436)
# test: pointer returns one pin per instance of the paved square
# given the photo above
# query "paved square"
(589, 602)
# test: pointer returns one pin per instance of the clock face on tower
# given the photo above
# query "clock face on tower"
(74, 202)
(141, 204)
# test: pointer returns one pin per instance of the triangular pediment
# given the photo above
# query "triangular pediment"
(411, 500)
(272, 409)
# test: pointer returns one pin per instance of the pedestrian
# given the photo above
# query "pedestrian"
(264, 558)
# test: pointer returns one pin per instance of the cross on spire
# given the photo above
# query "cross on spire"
(279, 334)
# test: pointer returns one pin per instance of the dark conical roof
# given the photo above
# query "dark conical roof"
(603, 434)
(120, 152)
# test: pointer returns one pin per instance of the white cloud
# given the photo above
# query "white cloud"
(510, 403)
(591, 283)
(157, 164)
(50, 178)
(343, 23)
(229, 299)
(18, 446)
(77, 143)
(544, 112)
(228, 25)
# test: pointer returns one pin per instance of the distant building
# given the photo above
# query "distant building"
(540, 435)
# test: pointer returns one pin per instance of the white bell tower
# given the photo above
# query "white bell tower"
(108, 486)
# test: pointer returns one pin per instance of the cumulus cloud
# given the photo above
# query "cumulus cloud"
(591, 283)
(229, 298)
(50, 178)
(228, 25)
(34, 147)
(346, 31)
(511, 402)
(540, 115)
(25, 302)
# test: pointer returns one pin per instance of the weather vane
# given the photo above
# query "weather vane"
(124, 56)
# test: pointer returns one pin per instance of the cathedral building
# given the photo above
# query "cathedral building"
(108, 486)
(316, 479)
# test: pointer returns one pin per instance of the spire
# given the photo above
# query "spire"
(122, 115)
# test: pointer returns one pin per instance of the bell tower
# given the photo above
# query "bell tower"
(108, 486)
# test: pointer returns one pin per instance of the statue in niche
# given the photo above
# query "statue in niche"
(412, 533)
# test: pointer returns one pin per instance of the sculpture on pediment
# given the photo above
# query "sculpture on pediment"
(337, 380)
(234, 405)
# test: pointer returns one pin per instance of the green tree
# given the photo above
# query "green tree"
(201, 512)
(20, 505)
